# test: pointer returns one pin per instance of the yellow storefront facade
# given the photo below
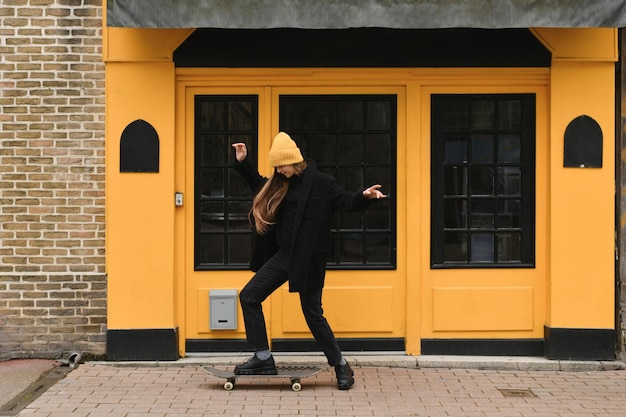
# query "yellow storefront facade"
(498, 237)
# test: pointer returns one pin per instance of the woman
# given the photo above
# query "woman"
(293, 210)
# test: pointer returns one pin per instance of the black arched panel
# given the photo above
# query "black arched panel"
(139, 148)
(583, 143)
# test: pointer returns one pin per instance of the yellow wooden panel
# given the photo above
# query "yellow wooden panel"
(140, 256)
(350, 310)
(141, 44)
(482, 309)
(582, 201)
(580, 44)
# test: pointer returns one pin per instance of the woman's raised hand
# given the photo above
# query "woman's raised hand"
(240, 151)
(373, 192)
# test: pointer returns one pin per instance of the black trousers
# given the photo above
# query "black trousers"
(269, 278)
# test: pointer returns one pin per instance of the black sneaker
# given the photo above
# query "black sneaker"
(255, 366)
(344, 376)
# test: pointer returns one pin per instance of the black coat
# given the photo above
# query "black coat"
(318, 199)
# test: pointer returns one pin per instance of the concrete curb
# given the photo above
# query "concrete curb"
(508, 363)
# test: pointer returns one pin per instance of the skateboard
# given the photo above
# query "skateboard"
(295, 374)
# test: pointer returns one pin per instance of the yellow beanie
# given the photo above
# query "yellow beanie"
(284, 151)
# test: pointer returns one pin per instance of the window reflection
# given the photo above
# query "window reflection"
(482, 148)
(509, 149)
(509, 213)
(482, 115)
(509, 181)
(455, 151)
(510, 114)
(482, 214)
(482, 247)
(509, 247)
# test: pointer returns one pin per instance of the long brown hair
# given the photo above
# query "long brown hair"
(266, 203)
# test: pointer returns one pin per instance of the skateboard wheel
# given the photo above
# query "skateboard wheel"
(228, 386)
(296, 386)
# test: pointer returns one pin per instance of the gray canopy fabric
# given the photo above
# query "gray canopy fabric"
(340, 14)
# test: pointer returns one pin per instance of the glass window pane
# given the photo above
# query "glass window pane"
(509, 247)
(212, 182)
(455, 116)
(482, 214)
(481, 181)
(455, 180)
(455, 149)
(378, 115)
(239, 248)
(319, 147)
(455, 247)
(350, 149)
(455, 212)
(212, 150)
(240, 115)
(212, 216)
(482, 148)
(350, 115)
(509, 181)
(509, 115)
(238, 215)
(351, 220)
(350, 247)
(351, 178)
(509, 149)
(378, 245)
(482, 247)
(483, 115)
(212, 116)
(377, 216)
(509, 213)
(378, 149)
(324, 114)
(237, 186)
(212, 249)
(380, 176)
(295, 116)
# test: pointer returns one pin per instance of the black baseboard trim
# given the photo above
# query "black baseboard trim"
(580, 344)
(483, 347)
(346, 345)
(216, 345)
(142, 345)
(294, 345)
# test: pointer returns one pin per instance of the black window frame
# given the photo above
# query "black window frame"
(527, 168)
(230, 180)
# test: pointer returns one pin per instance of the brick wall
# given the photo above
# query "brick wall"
(52, 190)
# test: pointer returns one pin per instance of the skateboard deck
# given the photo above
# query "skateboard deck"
(295, 374)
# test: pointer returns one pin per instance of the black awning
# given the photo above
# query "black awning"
(361, 48)
(341, 14)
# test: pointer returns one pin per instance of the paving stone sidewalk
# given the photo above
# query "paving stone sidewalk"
(100, 390)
